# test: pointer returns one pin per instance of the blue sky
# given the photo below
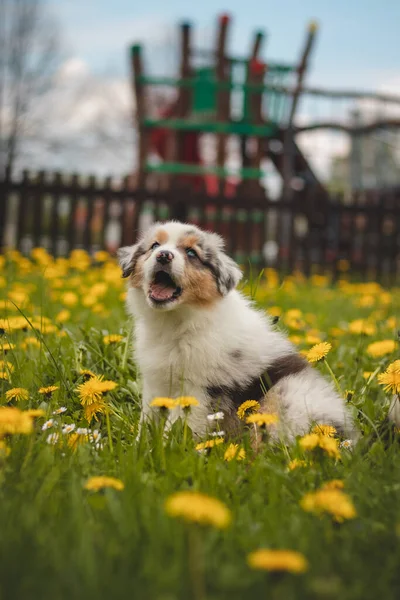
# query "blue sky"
(358, 41)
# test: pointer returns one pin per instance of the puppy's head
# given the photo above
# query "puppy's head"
(176, 264)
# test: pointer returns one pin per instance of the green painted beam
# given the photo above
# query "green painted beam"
(189, 83)
(172, 168)
(235, 128)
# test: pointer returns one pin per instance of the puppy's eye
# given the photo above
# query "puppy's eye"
(154, 246)
(191, 253)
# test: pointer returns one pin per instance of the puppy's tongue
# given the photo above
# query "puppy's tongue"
(161, 291)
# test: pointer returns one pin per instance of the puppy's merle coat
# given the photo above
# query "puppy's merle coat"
(196, 335)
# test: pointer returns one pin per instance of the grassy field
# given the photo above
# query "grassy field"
(119, 538)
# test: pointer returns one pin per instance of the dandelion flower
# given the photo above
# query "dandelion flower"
(87, 373)
(195, 507)
(47, 391)
(318, 352)
(30, 341)
(4, 449)
(314, 440)
(113, 338)
(5, 365)
(360, 326)
(17, 394)
(94, 484)
(391, 378)
(13, 420)
(35, 412)
(92, 390)
(186, 401)
(166, 403)
(63, 316)
(209, 444)
(334, 484)
(277, 560)
(6, 346)
(332, 501)
(234, 452)
(327, 430)
(48, 424)
(250, 406)
(92, 410)
(263, 419)
(4, 375)
(297, 463)
(378, 349)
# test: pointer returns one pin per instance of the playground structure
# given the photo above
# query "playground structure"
(227, 97)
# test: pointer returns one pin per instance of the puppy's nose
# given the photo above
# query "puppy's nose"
(164, 257)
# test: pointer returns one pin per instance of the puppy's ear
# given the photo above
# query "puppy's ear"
(127, 257)
(226, 271)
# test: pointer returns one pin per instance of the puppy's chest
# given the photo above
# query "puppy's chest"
(190, 357)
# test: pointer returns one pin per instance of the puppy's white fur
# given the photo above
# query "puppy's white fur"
(188, 349)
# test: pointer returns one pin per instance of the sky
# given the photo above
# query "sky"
(357, 45)
(89, 114)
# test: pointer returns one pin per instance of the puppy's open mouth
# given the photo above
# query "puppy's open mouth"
(163, 288)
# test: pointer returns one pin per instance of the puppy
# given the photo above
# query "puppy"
(196, 335)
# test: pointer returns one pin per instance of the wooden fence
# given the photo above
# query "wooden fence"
(311, 232)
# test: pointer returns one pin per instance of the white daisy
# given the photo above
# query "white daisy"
(68, 428)
(83, 430)
(218, 433)
(48, 424)
(348, 444)
(60, 410)
(53, 438)
(218, 416)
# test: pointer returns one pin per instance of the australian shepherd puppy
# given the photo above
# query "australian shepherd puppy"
(196, 335)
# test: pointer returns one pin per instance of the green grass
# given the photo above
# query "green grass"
(58, 540)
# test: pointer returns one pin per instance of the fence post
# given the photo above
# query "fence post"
(4, 199)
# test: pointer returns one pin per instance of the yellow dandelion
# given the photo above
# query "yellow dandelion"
(314, 440)
(378, 349)
(5, 375)
(91, 411)
(6, 347)
(92, 390)
(360, 326)
(101, 256)
(234, 452)
(17, 394)
(70, 299)
(332, 501)
(87, 373)
(367, 374)
(209, 444)
(348, 394)
(4, 449)
(250, 406)
(47, 391)
(263, 419)
(163, 403)
(94, 484)
(13, 420)
(186, 401)
(391, 378)
(318, 352)
(30, 341)
(113, 338)
(288, 561)
(327, 430)
(297, 463)
(312, 339)
(334, 484)
(63, 316)
(35, 412)
(75, 440)
(195, 507)
(7, 366)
